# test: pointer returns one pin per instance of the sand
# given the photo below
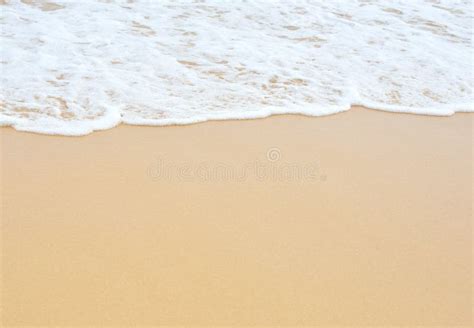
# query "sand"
(361, 218)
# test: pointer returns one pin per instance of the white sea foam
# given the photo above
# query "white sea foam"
(72, 67)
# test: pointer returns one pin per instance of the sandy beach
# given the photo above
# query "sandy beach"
(362, 218)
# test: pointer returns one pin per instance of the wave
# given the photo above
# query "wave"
(73, 67)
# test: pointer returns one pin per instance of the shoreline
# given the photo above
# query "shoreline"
(354, 219)
(278, 112)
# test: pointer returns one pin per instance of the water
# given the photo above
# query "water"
(72, 67)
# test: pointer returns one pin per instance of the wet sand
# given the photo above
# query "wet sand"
(361, 218)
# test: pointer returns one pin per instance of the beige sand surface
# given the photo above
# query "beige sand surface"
(361, 218)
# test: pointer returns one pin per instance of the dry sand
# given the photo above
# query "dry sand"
(379, 232)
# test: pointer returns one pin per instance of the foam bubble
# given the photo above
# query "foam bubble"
(72, 67)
